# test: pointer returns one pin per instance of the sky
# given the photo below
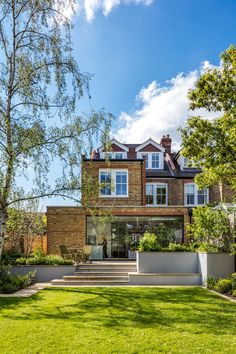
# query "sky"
(145, 55)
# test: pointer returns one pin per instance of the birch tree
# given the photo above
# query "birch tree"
(40, 85)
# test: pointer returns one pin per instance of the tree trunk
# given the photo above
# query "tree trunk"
(3, 219)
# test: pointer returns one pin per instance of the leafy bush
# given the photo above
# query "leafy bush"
(223, 286)
(234, 293)
(233, 281)
(9, 257)
(9, 283)
(206, 247)
(44, 260)
(148, 243)
(211, 228)
(164, 234)
(211, 283)
(178, 247)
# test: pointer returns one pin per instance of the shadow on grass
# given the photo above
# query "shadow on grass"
(171, 308)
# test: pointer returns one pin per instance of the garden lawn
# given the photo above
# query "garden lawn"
(118, 320)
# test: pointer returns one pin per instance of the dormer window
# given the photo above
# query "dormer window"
(154, 160)
(118, 155)
(113, 155)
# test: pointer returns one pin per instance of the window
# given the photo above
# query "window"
(105, 180)
(194, 196)
(145, 157)
(114, 183)
(118, 155)
(121, 183)
(161, 194)
(113, 155)
(156, 194)
(149, 194)
(155, 160)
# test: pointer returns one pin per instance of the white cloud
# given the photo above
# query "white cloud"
(90, 7)
(163, 110)
(106, 6)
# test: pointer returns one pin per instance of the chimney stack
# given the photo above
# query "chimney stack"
(166, 143)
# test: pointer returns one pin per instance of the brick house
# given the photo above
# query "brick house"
(142, 185)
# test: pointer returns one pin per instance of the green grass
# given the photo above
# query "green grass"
(118, 320)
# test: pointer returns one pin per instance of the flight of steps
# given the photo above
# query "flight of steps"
(99, 273)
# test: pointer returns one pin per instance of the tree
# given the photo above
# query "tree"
(37, 113)
(211, 144)
(211, 229)
(24, 224)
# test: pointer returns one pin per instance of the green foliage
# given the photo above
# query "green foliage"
(164, 234)
(234, 293)
(210, 144)
(178, 247)
(211, 229)
(151, 243)
(223, 286)
(10, 283)
(211, 282)
(9, 257)
(148, 243)
(24, 222)
(44, 260)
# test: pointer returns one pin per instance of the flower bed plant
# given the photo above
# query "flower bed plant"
(225, 286)
(150, 242)
(44, 260)
(9, 283)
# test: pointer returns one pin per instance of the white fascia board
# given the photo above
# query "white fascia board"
(152, 142)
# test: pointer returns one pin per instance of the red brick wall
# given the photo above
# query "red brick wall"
(150, 148)
(136, 181)
(67, 225)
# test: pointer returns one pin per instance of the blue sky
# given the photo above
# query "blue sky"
(145, 55)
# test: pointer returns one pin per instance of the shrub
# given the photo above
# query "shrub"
(9, 283)
(234, 293)
(9, 257)
(177, 247)
(223, 286)
(211, 283)
(233, 281)
(148, 243)
(211, 228)
(164, 234)
(44, 260)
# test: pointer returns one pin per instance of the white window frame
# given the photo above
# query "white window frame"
(113, 182)
(149, 159)
(195, 195)
(155, 185)
(103, 155)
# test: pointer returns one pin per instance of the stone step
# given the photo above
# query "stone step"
(95, 277)
(62, 282)
(104, 273)
(104, 270)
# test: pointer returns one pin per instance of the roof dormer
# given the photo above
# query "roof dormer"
(117, 151)
(153, 153)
